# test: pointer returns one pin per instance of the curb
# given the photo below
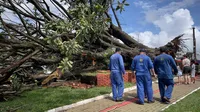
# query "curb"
(66, 107)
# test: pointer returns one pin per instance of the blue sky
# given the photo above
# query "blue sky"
(156, 22)
(133, 18)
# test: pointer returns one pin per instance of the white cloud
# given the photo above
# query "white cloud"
(144, 5)
(175, 23)
(150, 39)
(172, 20)
(171, 25)
(155, 13)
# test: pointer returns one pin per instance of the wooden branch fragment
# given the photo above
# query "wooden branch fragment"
(7, 72)
(40, 9)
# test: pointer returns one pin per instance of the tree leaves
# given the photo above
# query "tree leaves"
(89, 24)
(120, 5)
(65, 64)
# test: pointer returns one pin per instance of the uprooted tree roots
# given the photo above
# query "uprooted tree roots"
(77, 40)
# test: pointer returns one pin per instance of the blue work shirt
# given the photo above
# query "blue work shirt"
(141, 64)
(163, 65)
(117, 63)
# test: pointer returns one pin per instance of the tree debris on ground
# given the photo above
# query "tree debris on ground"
(76, 39)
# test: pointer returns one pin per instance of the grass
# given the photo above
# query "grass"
(189, 104)
(40, 100)
(106, 72)
(89, 73)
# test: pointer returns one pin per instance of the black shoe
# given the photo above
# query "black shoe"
(166, 99)
(120, 100)
(153, 101)
(138, 102)
(166, 102)
(114, 100)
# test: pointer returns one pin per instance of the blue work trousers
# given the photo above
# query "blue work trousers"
(166, 87)
(117, 83)
(144, 86)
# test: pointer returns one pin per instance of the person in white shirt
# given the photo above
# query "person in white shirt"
(179, 73)
(186, 69)
(193, 71)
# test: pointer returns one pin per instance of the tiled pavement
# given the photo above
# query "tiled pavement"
(129, 105)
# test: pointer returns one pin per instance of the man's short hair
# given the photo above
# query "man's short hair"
(185, 56)
(142, 50)
(117, 49)
(163, 49)
(193, 61)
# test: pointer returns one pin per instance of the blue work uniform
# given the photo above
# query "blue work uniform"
(117, 69)
(163, 65)
(142, 65)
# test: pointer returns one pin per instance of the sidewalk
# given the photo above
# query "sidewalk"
(129, 105)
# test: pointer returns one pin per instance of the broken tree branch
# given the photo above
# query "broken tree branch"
(7, 72)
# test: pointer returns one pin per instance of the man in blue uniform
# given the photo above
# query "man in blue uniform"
(117, 69)
(163, 65)
(141, 67)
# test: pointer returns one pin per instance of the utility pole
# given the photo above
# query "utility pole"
(194, 44)
(138, 38)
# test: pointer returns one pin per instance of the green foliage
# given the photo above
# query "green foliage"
(16, 83)
(68, 48)
(107, 55)
(90, 24)
(189, 104)
(87, 25)
(120, 5)
(56, 27)
(65, 64)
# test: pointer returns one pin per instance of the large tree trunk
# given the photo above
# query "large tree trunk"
(17, 40)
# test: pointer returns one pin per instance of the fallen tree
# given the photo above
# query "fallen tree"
(78, 38)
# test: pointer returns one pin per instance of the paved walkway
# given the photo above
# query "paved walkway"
(129, 105)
